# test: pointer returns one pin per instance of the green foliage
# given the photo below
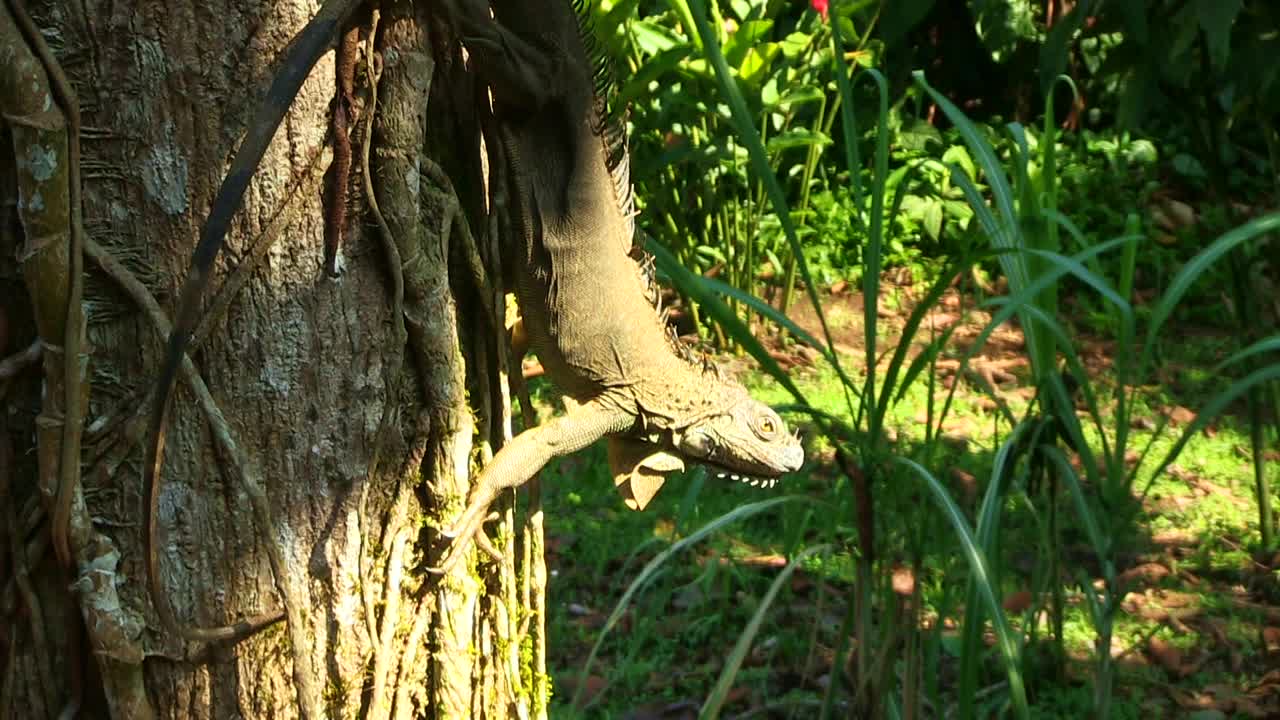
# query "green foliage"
(765, 147)
(1003, 25)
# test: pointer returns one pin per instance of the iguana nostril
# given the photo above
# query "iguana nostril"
(792, 458)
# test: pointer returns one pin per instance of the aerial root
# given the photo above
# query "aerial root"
(143, 298)
(13, 365)
(455, 219)
(21, 572)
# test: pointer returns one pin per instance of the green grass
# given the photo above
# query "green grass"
(671, 643)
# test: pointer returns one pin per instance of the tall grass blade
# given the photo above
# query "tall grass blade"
(697, 287)
(1214, 408)
(1262, 347)
(988, 528)
(715, 700)
(1092, 530)
(738, 513)
(1196, 267)
(750, 138)
(981, 574)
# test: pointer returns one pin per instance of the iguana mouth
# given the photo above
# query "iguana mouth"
(756, 482)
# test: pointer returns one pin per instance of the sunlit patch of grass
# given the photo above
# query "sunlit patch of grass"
(691, 614)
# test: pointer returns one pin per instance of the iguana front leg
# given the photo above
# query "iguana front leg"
(525, 455)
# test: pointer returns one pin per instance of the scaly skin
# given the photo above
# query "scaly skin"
(584, 301)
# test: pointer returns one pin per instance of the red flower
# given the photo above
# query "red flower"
(820, 6)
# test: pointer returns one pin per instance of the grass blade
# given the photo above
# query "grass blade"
(1262, 347)
(741, 119)
(738, 513)
(1196, 267)
(1212, 410)
(699, 290)
(715, 700)
(981, 574)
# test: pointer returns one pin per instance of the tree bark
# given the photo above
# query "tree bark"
(363, 434)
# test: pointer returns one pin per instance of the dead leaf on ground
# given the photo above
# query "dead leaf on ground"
(967, 485)
(1174, 538)
(772, 560)
(941, 320)
(1149, 573)
(904, 581)
(592, 687)
(1017, 601)
(1141, 422)
(1271, 639)
(1179, 415)
(1166, 655)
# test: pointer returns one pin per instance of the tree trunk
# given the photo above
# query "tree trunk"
(361, 430)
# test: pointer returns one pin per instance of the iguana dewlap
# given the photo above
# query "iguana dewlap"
(582, 297)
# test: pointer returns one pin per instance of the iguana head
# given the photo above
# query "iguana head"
(738, 438)
(744, 440)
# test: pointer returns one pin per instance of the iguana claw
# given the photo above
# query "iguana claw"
(468, 527)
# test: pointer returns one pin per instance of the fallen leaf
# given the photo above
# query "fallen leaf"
(1179, 415)
(1271, 639)
(1149, 573)
(592, 687)
(1018, 601)
(1166, 655)
(904, 581)
(773, 560)
(967, 484)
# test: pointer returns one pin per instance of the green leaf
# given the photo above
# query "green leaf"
(919, 136)
(653, 38)
(617, 14)
(747, 36)
(800, 137)
(794, 44)
(958, 155)
(1216, 18)
(933, 218)
(1003, 24)
(794, 97)
(757, 63)
(652, 70)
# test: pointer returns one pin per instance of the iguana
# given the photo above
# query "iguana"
(585, 304)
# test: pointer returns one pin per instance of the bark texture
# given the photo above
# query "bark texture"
(305, 368)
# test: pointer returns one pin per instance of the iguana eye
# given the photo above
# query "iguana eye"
(766, 426)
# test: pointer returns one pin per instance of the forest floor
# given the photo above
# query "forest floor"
(1198, 629)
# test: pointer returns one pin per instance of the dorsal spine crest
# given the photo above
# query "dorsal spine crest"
(610, 121)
